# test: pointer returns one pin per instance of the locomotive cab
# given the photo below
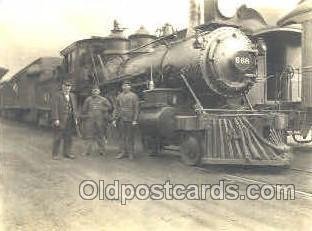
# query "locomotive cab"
(82, 65)
(282, 65)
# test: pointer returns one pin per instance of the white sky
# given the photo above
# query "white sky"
(33, 28)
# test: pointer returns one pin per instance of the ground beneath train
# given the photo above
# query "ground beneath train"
(37, 193)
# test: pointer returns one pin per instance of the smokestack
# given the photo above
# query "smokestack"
(195, 15)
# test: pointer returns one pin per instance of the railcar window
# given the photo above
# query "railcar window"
(15, 89)
(71, 62)
(65, 62)
(47, 97)
(82, 51)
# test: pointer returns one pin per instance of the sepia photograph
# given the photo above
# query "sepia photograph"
(166, 115)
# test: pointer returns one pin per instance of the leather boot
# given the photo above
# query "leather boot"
(131, 156)
(121, 155)
(55, 157)
(70, 156)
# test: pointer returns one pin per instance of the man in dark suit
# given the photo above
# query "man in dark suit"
(64, 118)
(126, 113)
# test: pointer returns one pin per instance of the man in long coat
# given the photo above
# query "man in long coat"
(64, 119)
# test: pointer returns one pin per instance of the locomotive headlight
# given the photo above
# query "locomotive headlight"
(244, 61)
(230, 61)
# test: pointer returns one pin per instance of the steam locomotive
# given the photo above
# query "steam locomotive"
(202, 89)
(194, 91)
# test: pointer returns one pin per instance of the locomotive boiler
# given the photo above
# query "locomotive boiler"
(194, 91)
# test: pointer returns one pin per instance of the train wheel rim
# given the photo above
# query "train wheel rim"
(190, 151)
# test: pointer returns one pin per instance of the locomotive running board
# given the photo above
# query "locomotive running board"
(233, 140)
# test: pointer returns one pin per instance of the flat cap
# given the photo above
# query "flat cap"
(67, 82)
(95, 88)
(126, 82)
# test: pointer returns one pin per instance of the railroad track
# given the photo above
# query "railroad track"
(249, 181)
(301, 170)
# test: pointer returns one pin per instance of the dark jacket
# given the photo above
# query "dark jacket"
(60, 111)
(127, 107)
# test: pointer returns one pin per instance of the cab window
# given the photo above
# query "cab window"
(70, 60)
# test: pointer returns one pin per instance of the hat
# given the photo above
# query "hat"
(126, 82)
(95, 88)
(67, 82)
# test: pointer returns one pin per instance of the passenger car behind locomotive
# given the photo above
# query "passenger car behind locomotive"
(26, 97)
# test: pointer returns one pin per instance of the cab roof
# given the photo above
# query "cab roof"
(3, 71)
(81, 43)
